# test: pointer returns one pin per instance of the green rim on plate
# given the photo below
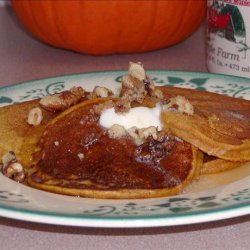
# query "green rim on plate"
(229, 200)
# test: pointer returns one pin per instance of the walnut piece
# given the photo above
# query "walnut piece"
(140, 135)
(153, 151)
(8, 157)
(35, 116)
(97, 109)
(136, 85)
(100, 92)
(123, 105)
(11, 168)
(132, 90)
(179, 104)
(117, 131)
(144, 133)
(134, 133)
(136, 70)
(157, 93)
(63, 100)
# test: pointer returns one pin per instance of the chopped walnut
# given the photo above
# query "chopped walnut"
(136, 85)
(35, 116)
(137, 71)
(8, 157)
(12, 168)
(134, 133)
(117, 131)
(162, 135)
(100, 92)
(129, 82)
(123, 105)
(152, 91)
(158, 94)
(179, 104)
(144, 133)
(133, 89)
(140, 135)
(134, 79)
(97, 109)
(63, 100)
(153, 151)
(149, 86)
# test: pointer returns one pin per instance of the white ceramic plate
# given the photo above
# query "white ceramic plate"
(212, 198)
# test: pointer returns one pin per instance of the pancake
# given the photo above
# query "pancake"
(16, 134)
(213, 165)
(220, 125)
(76, 156)
(69, 152)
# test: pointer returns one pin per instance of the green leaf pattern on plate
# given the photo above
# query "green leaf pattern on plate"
(172, 205)
(5, 100)
(8, 196)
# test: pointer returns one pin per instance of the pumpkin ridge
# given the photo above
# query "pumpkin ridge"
(175, 33)
(150, 29)
(39, 32)
(80, 8)
(119, 33)
(54, 19)
(182, 31)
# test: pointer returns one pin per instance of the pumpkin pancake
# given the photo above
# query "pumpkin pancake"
(219, 126)
(76, 156)
(76, 143)
(16, 134)
(213, 165)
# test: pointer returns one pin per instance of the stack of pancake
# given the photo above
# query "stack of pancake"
(71, 153)
(220, 127)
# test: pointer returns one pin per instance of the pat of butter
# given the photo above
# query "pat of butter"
(139, 117)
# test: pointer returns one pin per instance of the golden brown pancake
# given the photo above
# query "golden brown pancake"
(16, 134)
(112, 168)
(220, 125)
(77, 157)
(213, 165)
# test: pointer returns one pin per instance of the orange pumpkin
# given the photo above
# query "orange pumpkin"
(110, 26)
